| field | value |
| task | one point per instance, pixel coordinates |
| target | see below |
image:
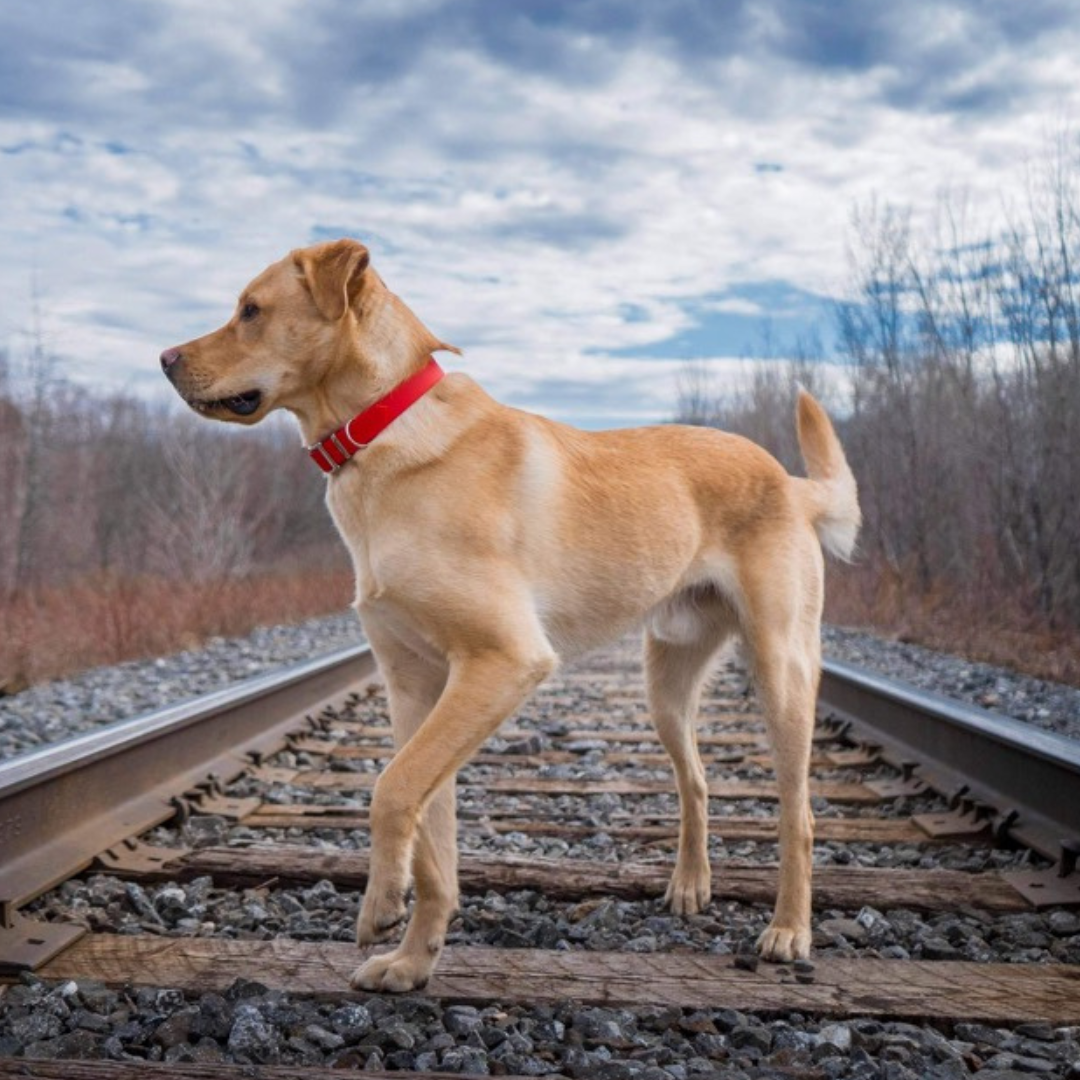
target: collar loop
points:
(341, 445)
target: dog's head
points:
(318, 316)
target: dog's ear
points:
(334, 274)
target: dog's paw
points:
(689, 892)
(784, 943)
(395, 972)
(379, 914)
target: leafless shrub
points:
(961, 420)
(127, 529)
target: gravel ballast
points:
(1051, 706)
(54, 711)
(251, 1024)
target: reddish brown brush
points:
(987, 624)
(104, 619)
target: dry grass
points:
(979, 622)
(51, 632)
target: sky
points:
(580, 194)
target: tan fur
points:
(489, 544)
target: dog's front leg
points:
(481, 691)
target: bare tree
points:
(962, 417)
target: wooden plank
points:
(833, 886)
(645, 733)
(938, 990)
(36, 1069)
(645, 758)
(644, 736)
(536, 785)
(870, 830)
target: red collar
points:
(333, 451)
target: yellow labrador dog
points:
(489, 544)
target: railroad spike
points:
(957, 796)
(182, 808)
(1003, 826)
(1070, 849)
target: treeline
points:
(122, 521)
(959, 405)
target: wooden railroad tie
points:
(651, 758)
(870, 830)
(834, 791)
(834, 886)
(645, 734)
(898, 989)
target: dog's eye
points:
(248, 312)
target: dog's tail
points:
(831, 495)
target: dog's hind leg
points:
(674, 673)
(784, 638)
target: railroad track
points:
(257, 798)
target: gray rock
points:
(351, 1022)
(465, 1060)
(838, 1035)
(251, 1037)
(534, 744)
(35, 1027)
(171, 902)
(1035, 1066)
(462, 1019)
(751, 1035)
(76, 1044)
(140, 902)
(214, 1018)
(937, 948)
(176, 1029)
(96, 998)
(327, 1040)
(1064, 923)
(393, 1032)
(850, 929)
(1040, 1031)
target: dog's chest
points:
(354, 518)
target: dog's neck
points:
(373, 353)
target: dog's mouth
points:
(240, 404)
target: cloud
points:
(555, 186)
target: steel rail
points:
(62, 806)
(1029, 776)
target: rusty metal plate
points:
(226, 807)
(307, 744)
(1045, 888)
(26, 944)
(951, 823)
(860, 755)
(896, 789)
(273, 774)
(133, 856)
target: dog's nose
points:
(168, 359)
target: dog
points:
(489, 544)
